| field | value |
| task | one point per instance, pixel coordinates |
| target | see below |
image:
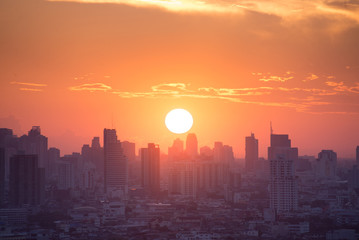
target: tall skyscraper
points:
(326, 165)
(116, 166)
(251, 157)
(53, 156)
(357, 155)
(283, 185)
(35, 143)
(150, 162)
(2, 176)
(26, 181)
(176, 151)
(191, 145)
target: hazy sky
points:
(76, 67)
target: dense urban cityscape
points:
(110, 192)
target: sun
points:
(179, 121)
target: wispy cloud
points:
(305, 100)
(30, 84)
(92, 87)
(286, 9)
(31, 89)
(311, 77)
(268, 77)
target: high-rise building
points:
(2, 176)
(183, 179)
(326, 165)
(191, 145)
(53, 156)
(251, 157)
(35, 143)
(26, 181)
(150, 162)
(283, 185)
(116, 166)
(357, 155)
(176, 151)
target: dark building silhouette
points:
(35, 143)
(150, 162)
(283, 185)
(116, 166)
(357, 155)
(176, 150)
(2, 176)
(326, 165)
(191, 145)
(251, 155)
(26, 181)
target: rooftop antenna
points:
(271, 129)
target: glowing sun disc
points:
(179, 121)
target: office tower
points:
(353, 180)
(53, 155)
(26, 181)
(65, 175)
(2, 176)
(251, 157)
(357, 155)
(116, 166)
(97, 158)
(35, 143)
(283, 185)
(150, 162)
(191, 145)
(183, 179)
(9, 143)
(326, 165)
(129, 149)
(176, 151)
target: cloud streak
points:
(282, 8)
(29, 84)
(91, 87)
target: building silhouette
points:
(150, 169)
(357, 155)
(116, 166)
(251, 154)
(283, 185)
(326, 165)
(2, 177)
(176, 150)
(35, 143)
(26, 181)
(191, 145)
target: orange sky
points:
(74, 67)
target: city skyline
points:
(234, 66)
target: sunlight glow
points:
(179, 121)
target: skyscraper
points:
(35, 143)
(2, 176)
(357, 155)
(176, 151)
(326, 165)
(191, 145)
(283, 185)
(26, 180)
(150, 171)
(251, 157)
(116, 166)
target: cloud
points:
(91, 87)
(30, 84)
(31, 89)
(289, 9)
(311, 77)
(39, 85)
(268, 77)
(341, 87)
